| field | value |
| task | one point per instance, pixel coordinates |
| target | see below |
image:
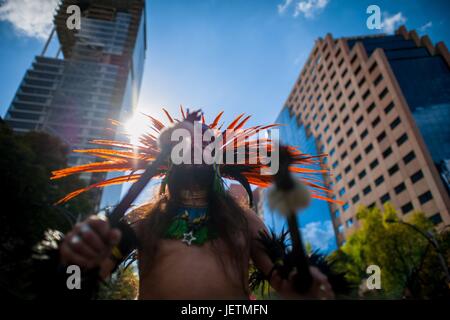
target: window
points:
(376, 122)
(355, 199)
(395, 123)
(385, 198)
(378, 80)
(351, 183)
(366, 94)
(336, 131)
(362, 174)
(346, 119)
(367, 190)
(407, 208)
(347, 84)
(339, 96)
(374, 164)
(342, 191)
(349, 132)
(364, 134)
(355, 108)
(371, 107)
(337, 214)
(332, 151)
(338, 178)
(331, 107)
(349, 223)
(342, 107)
(329, 139)
(361, 82)
(425, 197)
(417, 176)
(393, 169)
(345, 207)
(340, 228)
(340, 142)
(352, 94)
(368, 148)
(357, 70)
(387, 152)
(354, 59)
(353, 145)
(381, 136)
(409, 157)
(358, 159)
(436, 218)
(383, 93)
(402, 139)
(336, 84)
(389, 108)
(344, 72)
(400, 188)
(372, 67)
(334, 165)
(344, 155)
(359, 120)
(334, 118)
(379, 180)
(347, 169)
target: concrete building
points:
(98, 78)
(379, 106)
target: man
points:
(195, 240)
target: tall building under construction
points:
(379, 107)
(98, 77)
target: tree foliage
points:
(28, 197)
(123, 285)
(410, 265)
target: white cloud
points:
(29, 17)
(309, 8)
(391, 22)
(282, 7)
(319, 234)
(426, 26)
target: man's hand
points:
(89, 243)
(320, 288)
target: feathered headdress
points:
(132, 158)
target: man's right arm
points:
(89, 245)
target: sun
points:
(136, 126)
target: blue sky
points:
(236, 55)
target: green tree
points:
(410, 266)
(28, 196)
(123, 285)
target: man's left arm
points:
(320, 288)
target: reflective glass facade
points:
(315, 221)
(425, 82)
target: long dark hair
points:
(226, 217)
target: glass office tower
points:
(379, 107)
(98, 78)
